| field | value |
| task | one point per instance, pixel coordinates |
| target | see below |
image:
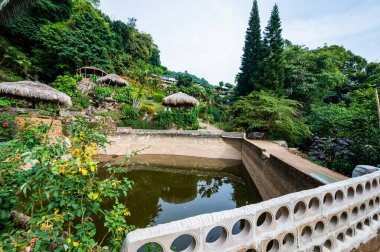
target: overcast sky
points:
(206, 37)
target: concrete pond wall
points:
(303, 210)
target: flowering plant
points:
(57, 185)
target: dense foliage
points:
(58, 187)
(264, 111)
(331, 88)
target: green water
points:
(164, 195)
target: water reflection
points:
(161, 196)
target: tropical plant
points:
(58, 187)
(264, 111)
(102, 93)
(66, 84)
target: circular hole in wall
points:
(354, 212)
(368, 186)
(306, 232)
(359, 226)
(151, 247)
(217, 236)
(299, 209)
(314, 204)
(316, 249)
(288, 240)
(371, 204)
(241, 228)
(273, 246)
(339, 196)
(282, 214)
(377, 201)
(359, 189)
(350, 232)
(350, 193)
(340, 237)
(319, 227)
(183, 243)
(343, 217)
(334, 221)
(327, 244)
(362, 208)
(374, 183)
(328, 199)
(264, 220)
(367, 222)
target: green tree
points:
(155, 58)
(184, 81)
(251, 65)
(264, 111)
(12, 9)
(274, 65)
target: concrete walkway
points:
(318, 172)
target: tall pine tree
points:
(247, 79)
(274, 65)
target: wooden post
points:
(378, 104)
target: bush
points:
(150, 110)
(81, 102)
(129, 113)
(66, 84)
(61, 193)
(7, 125)
(334, 153)
(157, 97)
(122, 94)
(102, 92)
(184, 120)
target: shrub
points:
(61, 194)
(157, 97)
(78, 77)
(81, 102)
(102, 92)
(335, 153)
(129, 113)
(122, 94)
(7, 125)
(184, 120)
(150, 110)
(66, 84)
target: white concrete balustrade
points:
(334, 217)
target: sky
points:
(206, 37)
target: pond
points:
(161, 195)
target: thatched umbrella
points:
(113, 79)
(180, 100)
(35, 92)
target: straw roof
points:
(34, 91)
(113, 79)
(180, 100)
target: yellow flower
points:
(93, 196)
(114, 183)
(75, 244)
(92, 168)
(84, 171)
(56, 211)
(43, 225)
(127, 213)
(68, 240)
(119, 229)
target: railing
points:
(335, 217)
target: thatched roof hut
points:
(35, 92)
(86, 71)
(113, 79)
(180, 100)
